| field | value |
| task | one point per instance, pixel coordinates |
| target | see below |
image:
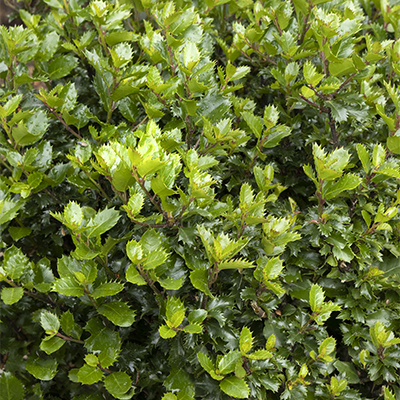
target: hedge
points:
(199, 200)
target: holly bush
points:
(199, 200)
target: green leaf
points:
(61, 66)
(88, 375)
(260, 355)
(52, 344)
(253, 122)
(73, 214)
(316, 297)
(154, 259)
(235, 264)
(207, 364)
(166, 332)
(118, 383)
(135, 204)
(199, 280)
(44, 369)
(107, 289)
(235, 387)
(388, 394)
(393, 144)
(348, 370)
(9, 209)
(15, 263)
(227, 363)
(10, 387)
(121, 54)
(347, 182)
(68, 287)
(102, 222)
(133, 276)
(32, 130)
(276, 135)
(190, 55)
(272, 268)
(246, 340)
(67, 322)
(50, 322)
(11, 295)
(327, 346)
(118, 313)
(364, 157)
(378, 155)
(193, 328)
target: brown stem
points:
(67, 127)
(335, 133)
(69, 339)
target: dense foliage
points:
(199, 199)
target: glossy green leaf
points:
(316, 297)
(227, 363)
(11, 387)
(50, 322)
(44, 369)
(246, 340)
(235, 387)
(118, 383)
(15, 263)
(107, 289)
(118, 313)
(88, 375)
(68, 287)
(11, 295)
(199, 279)
(50, 345)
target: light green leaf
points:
(260, 355)
(15, 263)
(378, 155)
(193, 328)
(276, 135)
(52, 344)
(102, 222)
(44, 369)
(133, 276)
(11, 295)
(134, 251)
(118, 313)
(272, 268)
(166, 332)
(88, 375)
(347, 182)
(388, 394)
(227, 363)
(10, 387)
(235, 387)
(253, 122)
(393, 144)
(190, 55)
(68, 287)
(327, 346)
(316, 297)
(199, 280)
(73, 214)
(235, 264)
(171, 396)
(246, 340)
(364, 157)
(107, 289)
(50, 322)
